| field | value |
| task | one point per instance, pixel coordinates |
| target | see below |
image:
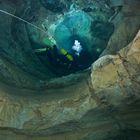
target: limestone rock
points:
(106, 102)
(101, 103)
(14, 43)
(127, 23)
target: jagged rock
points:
(15, 45)
(127, 23)
(97, 104)
(107, 101)
(54, 5)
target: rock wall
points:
(101, 103)
(127, 23)
(104, 105)
(15, 46)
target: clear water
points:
(90, 27)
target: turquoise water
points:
(62, 25)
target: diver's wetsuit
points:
(55, 58)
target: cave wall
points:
(15, 46)
(102, 106)
(127, 23)
(101, 103)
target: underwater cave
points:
(91, 32)
(69, 69)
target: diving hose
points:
(38, 28)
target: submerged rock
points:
(73, 24)
(101, 103)
(53, 5)
(108, 104)
(127, 23)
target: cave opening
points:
(54, 44)
(47, 89)
(64, 62)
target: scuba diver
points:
(59, 56)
